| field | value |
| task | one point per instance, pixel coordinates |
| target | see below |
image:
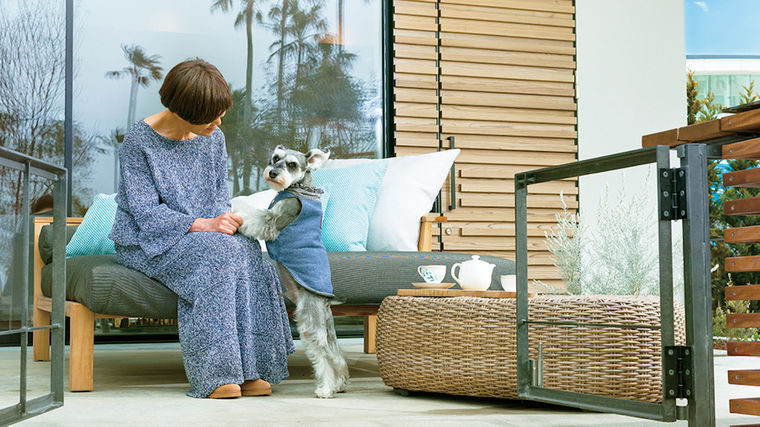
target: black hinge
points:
(672, 188)
(678, 371)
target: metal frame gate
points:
(26, 408)
(687, 371)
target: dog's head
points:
(288, 167)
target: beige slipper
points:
(226, 391)
(257, 387)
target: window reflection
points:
(303, 73)
(293, 81)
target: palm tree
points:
(113, 141)
(141, 69)
(304, 30)
(278, 16)
(245, 15)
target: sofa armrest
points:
(39, 222)
(425, 241)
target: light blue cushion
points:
(91, 237)
(352, 194)
(325, 198)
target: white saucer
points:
(425, 285)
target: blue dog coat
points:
(299, 247)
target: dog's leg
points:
(259, 224)
(335, 354)
(312, 314)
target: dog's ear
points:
(315, 158)
(279, 147)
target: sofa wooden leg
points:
(81, 348)
(370, 326)
(41, 338)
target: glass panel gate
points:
(25, 407)
(687, 371)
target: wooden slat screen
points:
(507, 74)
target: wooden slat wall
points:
(507, 95)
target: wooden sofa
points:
(82, 319)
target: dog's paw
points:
(324, 392)
(342, 386)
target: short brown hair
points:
(196, 91)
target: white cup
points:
(432, 273)
(509, 282)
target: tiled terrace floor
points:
(144, 384)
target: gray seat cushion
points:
(359, 278)
(105, 286)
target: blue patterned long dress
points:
(233, 325)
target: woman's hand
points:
(226, 223)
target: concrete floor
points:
(144, 384)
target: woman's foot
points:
(226, 391)
(257, 387)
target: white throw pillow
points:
(407, 193)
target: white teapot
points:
(474, 274)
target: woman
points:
(174, 224)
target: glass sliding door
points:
(303, 74)
(32, 57)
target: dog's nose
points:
(272, 174)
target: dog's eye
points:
(292, 165)
(275, 159)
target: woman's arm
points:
(225, 221)
(160, 227)
(222, 196)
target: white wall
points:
(631, 79)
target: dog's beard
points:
(274, 185)
(282, 181)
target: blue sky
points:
(722, 27)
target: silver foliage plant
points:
(619, 256)
(566, 243)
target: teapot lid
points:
(476, 260)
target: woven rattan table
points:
(467, 345)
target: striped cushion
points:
(91, 237)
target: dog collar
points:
(311, 193)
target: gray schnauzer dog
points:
(291, 228)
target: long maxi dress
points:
(232, 321)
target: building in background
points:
(726, 76)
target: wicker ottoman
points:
(467, 345)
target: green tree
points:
(310, 98)
(245, 16)
(719, 222)
(693, 105)
(706, 109)
(749, 94)
(710, 109)
(278, 23)
(240, 147)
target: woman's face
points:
(207, 129)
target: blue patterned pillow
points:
(91, 237)
(352, 194)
